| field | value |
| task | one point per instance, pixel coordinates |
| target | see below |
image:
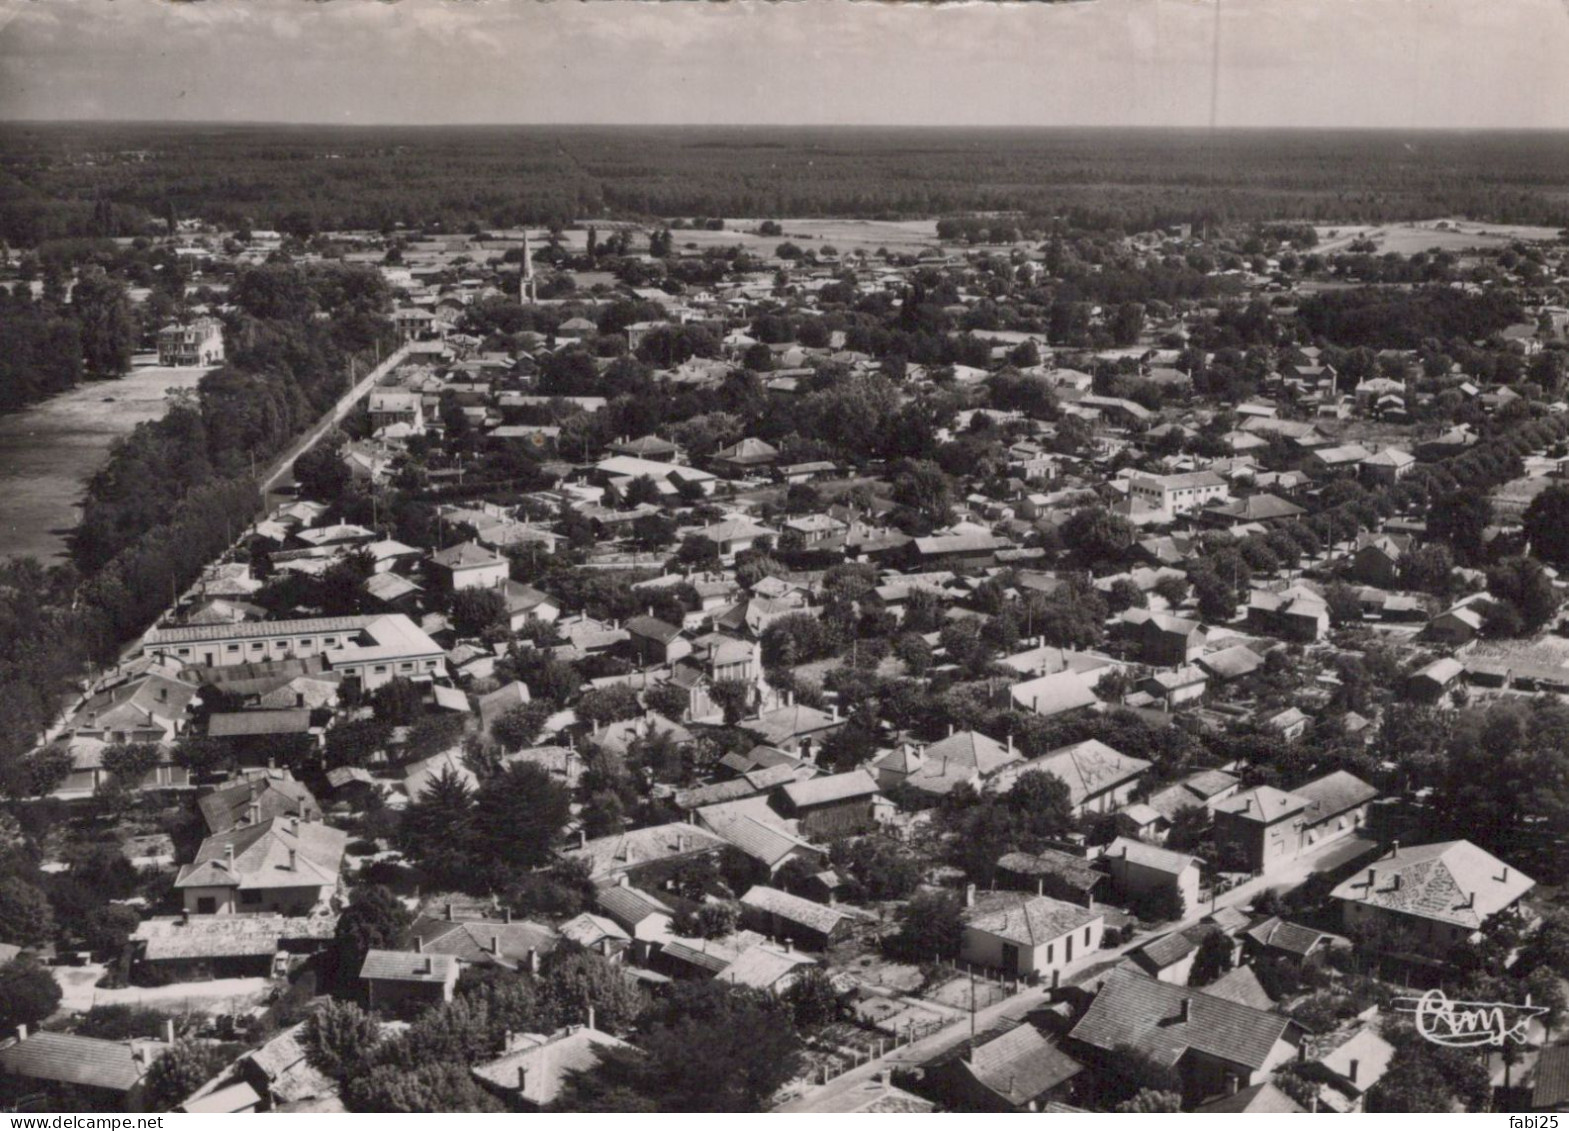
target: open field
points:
(48, 452)
(846, 235)
(1427, 235)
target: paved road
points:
(1086, 970)
(280, 466)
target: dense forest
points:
(63, 180)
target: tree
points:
(340, 1040)
(108, 328)
(475, 610)
(356, 742)
(1547, 525)
(813, 1000)
(1043, 802)
(28, 993)
(107, 929)
(925, 488)
(26, 918)
(1096, 536)
(1149, 1100)
(1460, 517)
(709, 921)
(796, 638)
(930, 928)
(1345, 607)
(373, 920)
(1425, 1077)
(427, 1088)
(605, 705)
(1212, 960)
(123, 1022)
(517, 816)
(519, 726)
(653, 531)
(179, 1072)
(1524, 584)
(573, 980)
(398, 702)
(733, 696)
(437, 829)
(47, 770)
(709, 1047)
(322, 473)
(130, 763)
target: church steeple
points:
(527, 292)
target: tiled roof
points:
(1072, 870)
(407, 966)
(1452, 882)
(629, 906)
(1134, 1010)
(754, 828)
(831, 788)
(545, 1067)
(1263, 805)
(610, 854)
(1014, 1061)
(279, 796)
(262, 856)
(1335, 793)
(1552, 1078)
(1242, 986)
(1028, 920)
(485, 941)
(1293, 938)
(1150, 856)
(1263, 1098)
(761, 967)
(87, 1061)
(1088, 768)
(817, 917)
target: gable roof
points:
(608, 855)
(1335, 793)
(819, 917)
(275, 795)
(484, 941)
(408, 966)
(87, 1061)
(1150, 856)
(1135, 1010)
(1242, 986)
(1014, 1061)
(830, 788)
(1263, 1098)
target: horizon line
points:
(204, 123)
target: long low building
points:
(372, 649)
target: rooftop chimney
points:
(449, 912)
(1351, 1070)
(228, 857)
(522, 1078)
(427, 965)
(253, 813)
(533, 961)
(1184, 1010)
(969, 895)
(21, 1033)
(495, 944)
(1394, 847)
(293, 860)
(506, 914)
(168, 1031)
(1372, 878)
(419, 945)
(590, 1022)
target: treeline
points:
(1383, 318)
(75, 180)
(47, 346)
(177, 491)
(286, 367)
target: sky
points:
(1403, 64)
